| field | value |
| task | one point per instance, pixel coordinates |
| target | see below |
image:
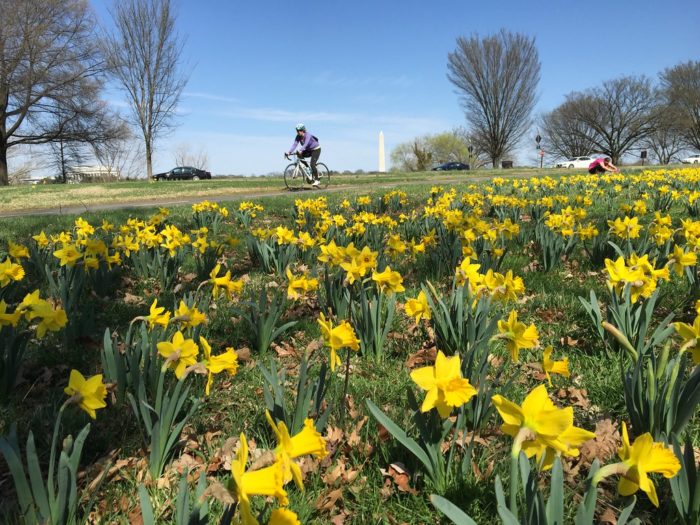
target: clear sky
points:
(348, 69)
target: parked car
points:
(576, 162)
(451, 166)
(183, 173)
(693, 159)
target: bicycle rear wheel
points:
(324, 176)
(293, 177)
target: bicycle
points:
(299, 173)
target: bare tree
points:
(50, 70)
(185, 156)
(144, 55)
(619, 114)
(666, 141)
(564, 135)
(681, 90)
(497, 78)
(122, 155)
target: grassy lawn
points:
(421, 225)
(55, 196)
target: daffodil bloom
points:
(517, 335)
(446, 388)
(538, 425)
(418, 308)
(9, 319)
(284, 235)
(467, 272)
(41, 240)
(307, 442)
(627, 228)
(10, 271)
(222, 283)
(283, 517)
(388, 280)
(215, 364)
(189, 317)
(638, 460)
(337, 337)
(503, 287)
(17, 251)
(51, 319)
(554, 367)
(298, 286)
(89, 393)
(680, 260)
(179, 353)
(157, 316)
(355, 269)
(691, 336)
(268, 481)
(68, 255)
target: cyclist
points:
(307, 146)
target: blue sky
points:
(350, 69)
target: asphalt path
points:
(184, 200)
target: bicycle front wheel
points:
(293, 177)
(324, 176)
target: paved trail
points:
(184, 200)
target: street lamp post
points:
(538, 139)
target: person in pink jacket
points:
(601, 166)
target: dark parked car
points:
(184, 173)
(450, 166)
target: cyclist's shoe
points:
(316, 183)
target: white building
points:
(91, 174)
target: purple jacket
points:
(308, 143)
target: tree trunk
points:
(149, 161)
(4, 178)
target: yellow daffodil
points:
(17, 251)
(518, 336)
(268, 481)
(691, 336)
(89, 393)
(639, 459)
(554, 367)
(307, 442)
(68, 255)
(10, 271)
(681, 259)
(41, 240)
(157, 316)
(189, 317)
(538, 425)
(9, 319)
(179, 353)
(388, 281)
(503, 287)
(51, 319)
(467, 272)
(337, 337)
(446, 388)
(418, 308)
(627, 228)
(283, 517)
(215, 364)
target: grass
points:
(236, 404)
(35, 198)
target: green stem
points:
(54, 441)
(514, 482)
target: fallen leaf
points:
(328, 501)
(133, 299)
(399, 474)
